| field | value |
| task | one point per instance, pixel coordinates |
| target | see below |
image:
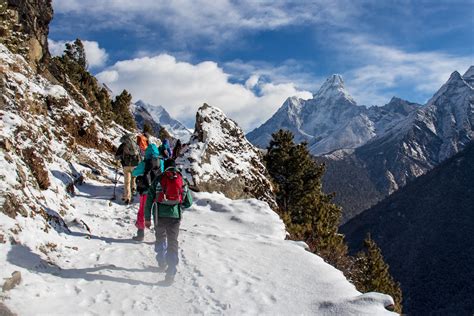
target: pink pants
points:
(140, 223)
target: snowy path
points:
(233, 260)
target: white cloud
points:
(389, 69)
(182, 87)
(216, 21)
(96, 56)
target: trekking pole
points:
(115, 182)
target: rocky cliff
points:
(219, 158)
(24, 29)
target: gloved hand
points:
(147, 224)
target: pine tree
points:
(121, 110)
(71, 70)
(373, 273)
(308, 213)
(76, 52)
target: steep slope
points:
(331, 120)
(409, 148)
(219, 158)
(425, 232)
(160, 117)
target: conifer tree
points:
(76, 52)
(308, 213)
(71, 70)
(121, 110)
(373, 273)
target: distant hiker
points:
(167, 196)
(165, 149)
(177, 150)
(154, 164)
(142, 141)
(129, 155)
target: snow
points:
(233, 256)
(233, 260)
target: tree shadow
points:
(23, 257)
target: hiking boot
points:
(162, 267)
(169, 278)
(140, 235)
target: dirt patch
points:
(13, 206)
(37, 167)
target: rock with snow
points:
(157, 116)
(219, 158)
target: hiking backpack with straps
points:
(130, 147)
(173, 188)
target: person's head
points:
(170, 163)
(125, 137)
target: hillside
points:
(425, 232)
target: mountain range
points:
(332, 120)
(372, 152)
(157, 117)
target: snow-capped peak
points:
(163, 118)
(469, 74)
(333, 89)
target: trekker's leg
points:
(140, 223)
(127, 175)
(172, 258)
(160, 243)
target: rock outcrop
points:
(24, 28)
(220, 158)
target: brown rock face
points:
(24, 28)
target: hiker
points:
(145, 173)
(166, 198)
(177, 149)
(142, 141)
(129, 155)
(165, 149)
(143, 185)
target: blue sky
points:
(246, 57)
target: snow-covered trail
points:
(233, 260)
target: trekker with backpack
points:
(166, 198)
(145, 173)
(129, 155)
(142, 141)
(165, 150)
